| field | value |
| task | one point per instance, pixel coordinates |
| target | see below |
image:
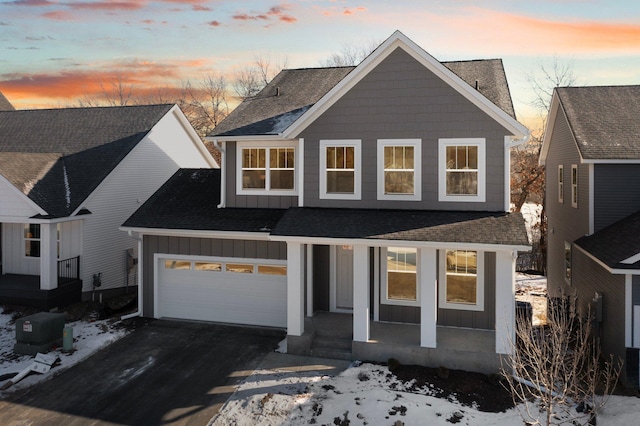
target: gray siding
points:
(252, 201)
(406, 314)
(616, 192)
(153, 244)
(565, 223)
(401, 99)
(589, 278)
(471, 319)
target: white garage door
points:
(230, 290)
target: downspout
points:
(223, 173)
(137, 313)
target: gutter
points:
(137, 313)
(223, 174)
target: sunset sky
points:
(54, 51)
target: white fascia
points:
(197, 233)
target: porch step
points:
(331, 342)
(331, 353)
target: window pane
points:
(462, 183)
(389, 158)
(253, 179)
(253, 158)
(349, 153)
(340, 182)
(408, 157)
(401, 286)
(451, 157)
(462, 261)
(461, 289)
(473, 157)
(208, 266)
(32, 230)
(32, 248)
(239, 268)
(272, 269)
(177, 264)
(331, 157)
(281, 179)
(398, 182)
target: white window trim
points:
(417, 169)
(357, 173)
(383, 282)
(574, 186)
(442, 169)
(267, 145)
(442, 285)
(561, 183)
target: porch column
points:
(309, 280)
(360, 293)
(295, 289)
(505, 301)
(428, 296)
(48, 256)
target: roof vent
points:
(477, 85)
(277, 91)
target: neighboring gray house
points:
(591, 152)
(376, 195)
(68, 179)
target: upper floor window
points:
(400, 283)
(399, 171)
(560, 183)
(461, 170)
(266, 169)
(462, 283)
(340, 175)
(574, 185)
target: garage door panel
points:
(220, 296)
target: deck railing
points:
(68, 270)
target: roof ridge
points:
(91, 107)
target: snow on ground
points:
(533, 289)
(88, 336)
(367, 394)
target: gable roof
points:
(615, 244)
(188, 201)
(57, 157)
(295, 98)
(604, 121)
(5, 105)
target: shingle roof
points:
(408, 225)
(5, 105)
(292, 92)
(57, 157)
(615, 243)
(189, 199)
(604, 120)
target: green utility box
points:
(38, 333)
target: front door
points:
(344, 278)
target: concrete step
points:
(331, 353)
(331, 342)
(336, 333)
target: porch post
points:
(428, 296)
(295, 290)
(360, 293)
(505, 301)
(309, 280)
(48, 256)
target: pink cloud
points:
(278, 12)
(59, 15)
(215, 23)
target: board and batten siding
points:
(616, 193)
(401, 99)
(164, 150)
(565, 223)
(250, 201)
(153, 244)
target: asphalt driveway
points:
(165, 372)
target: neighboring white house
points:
(68, 179)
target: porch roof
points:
(496, 228)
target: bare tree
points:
(248, 81)
(205, 102)
(350, 55)
(547, 78)
(556, 374)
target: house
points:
(5, 105)
(364, 209)
(591, 153)
(68, 179)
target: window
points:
(340, 169)
(461, 168)
(399, 171)
(272, 269)
(242, 268)
(567, 261)
(574, 185)
(560, 183)
(401, 286)
(462, 286)
(266, 169)
(208, 266)
(177, 264)
(32, 240)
